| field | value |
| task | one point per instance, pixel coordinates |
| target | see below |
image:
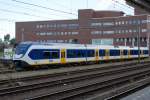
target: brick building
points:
(91, 27)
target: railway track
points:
(80, 92)
(76, 84)
(5, 68)
(134, 89)
(54, 77)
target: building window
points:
(65, 33)
(122, 22)
(96, 32)
(121, 39)
(62, 33)
(134, 30)
(116, 23)
(108, 32)
(122, 31)
(117, 40)
(49, 33)
(75, 33)
(130, 22)
(130, 39)
(130, 30)
(73, 26)
(37, 26)
(119, 23)
(103, 41)
(40, 26)
(96, 24)
(144, 21)
(119, 31)
(108, 23)
(37, 33)
(144, 30)
(69, 33)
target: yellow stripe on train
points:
(63, 56)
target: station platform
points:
(143, 94)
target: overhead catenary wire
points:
(122, 4)
(23, 13)
(8, 4)
(40, 6)
(64, 6)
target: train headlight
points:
(18, 56)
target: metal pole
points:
(148, 41)
(133, 42)
(138, 45)
(125, 42)
(22, 35)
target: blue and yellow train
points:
(33, 54)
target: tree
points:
(6, 38)
(12, 41)
(1, 41)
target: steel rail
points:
(110, 77)
(28, 80)
(66, 93)
(69, 78)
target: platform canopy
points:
(144, 4)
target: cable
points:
(123, 4)
(122, 7)
(44, 7)
(23, 13)
(8, 4)
(64, 6)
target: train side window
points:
(90, 53)
(114, 52)
(54, 55)
(78, 53)
(83, 53)
(46, 55)
(71, 53)
(36, 54)
(51, 55)
(134, 52)
(125, 52)
(145, 51)
(101, 52)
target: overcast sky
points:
(13, 10)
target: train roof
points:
(80, 45)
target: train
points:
(35, 54)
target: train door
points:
(63, 56)
(121, 54)
(96, 55)
(141, 53)
(129, 52)
(107, 54)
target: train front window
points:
(22, 48)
